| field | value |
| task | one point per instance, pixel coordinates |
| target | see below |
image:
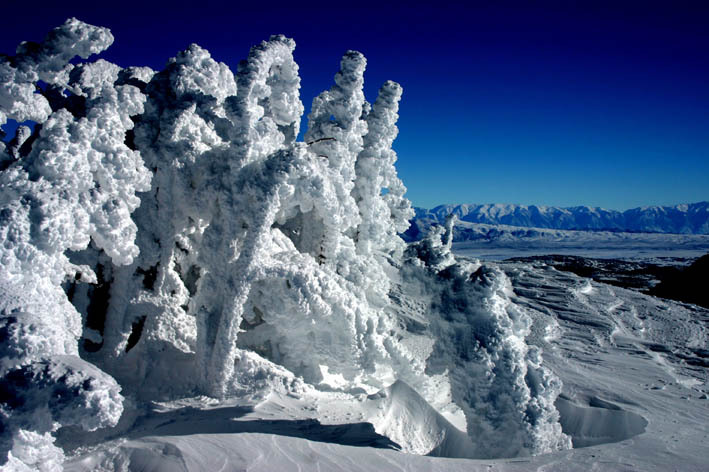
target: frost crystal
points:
(164, 234)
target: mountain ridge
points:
(684, 218)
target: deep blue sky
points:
(555, 103)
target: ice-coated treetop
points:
(49, 62)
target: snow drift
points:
(165, 235)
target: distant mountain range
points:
(690, 218)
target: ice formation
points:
(165, 235)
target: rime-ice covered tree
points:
(76, 183)
(495, 377)
(164, 234)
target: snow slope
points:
(692, 218)
(635, 398)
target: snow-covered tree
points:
(164, 234)
(77, 183)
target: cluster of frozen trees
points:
(164, 234)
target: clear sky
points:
(555, 103)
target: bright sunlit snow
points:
(186, 286)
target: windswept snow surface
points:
(635, 398)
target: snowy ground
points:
(498, 242)
(635, 398)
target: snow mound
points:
(598, 423)
(406, 418)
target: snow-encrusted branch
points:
(267, 110)
(49, 62)
(378, 191)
